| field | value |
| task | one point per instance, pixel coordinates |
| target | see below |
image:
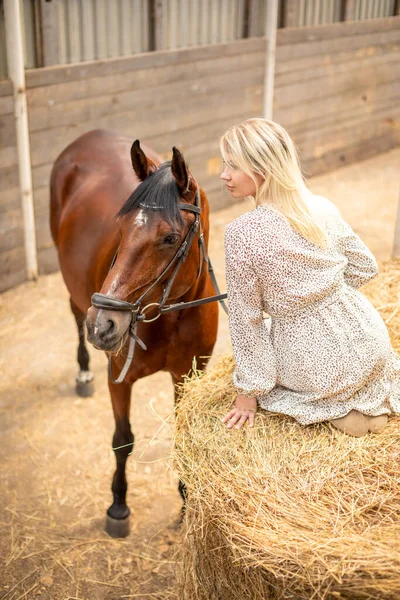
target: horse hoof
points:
(117, 528)
(84, 389)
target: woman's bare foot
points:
(377, 424)
(354, 423)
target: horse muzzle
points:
(107, 329)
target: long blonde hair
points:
(261, 147)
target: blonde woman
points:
(326, 353)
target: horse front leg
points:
(84, 380)
(117, 522)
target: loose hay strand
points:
(287, 511)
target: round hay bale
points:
(283, 510)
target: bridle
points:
(103, 301)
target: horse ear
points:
(181, 173)
(142, 165)
(179, 170)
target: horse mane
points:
(157, 193)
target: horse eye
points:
(171, 239)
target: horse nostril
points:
(111, 327)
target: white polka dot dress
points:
(325, 350)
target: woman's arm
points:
(361, 266)
(255, 372)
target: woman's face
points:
(238, 183)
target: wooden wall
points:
(12, 253)
(337, 92)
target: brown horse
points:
(118, 231)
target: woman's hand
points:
(243, 409)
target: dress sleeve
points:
(361, 265)
(255, 371)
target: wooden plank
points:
(9, 177)
(353, 153)
(6, 88)
(196, 136)
(13, 238)
(350, 101)
(11, 217)
(47, 144)
(7, 130)
(390, 59)
(82, 71)
(42, 204)
(6, 105)
(338, 57)
(339, 83)
(10, 279)
(319, 33)
(43, 234)
(334, 45)
(190, 73)
(10, 261)
(8, 156)
(90, 109)
(10, 199)
(319, 145)
(48, 260)
(344, 118)
(41, 175)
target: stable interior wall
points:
(337, 91)
(12, 252)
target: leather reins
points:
(103, 301)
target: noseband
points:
(103, 301)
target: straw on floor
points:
(286, 511)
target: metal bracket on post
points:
(16, 72)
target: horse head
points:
(155, 224)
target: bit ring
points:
(143, 312)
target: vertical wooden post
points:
(16, 72)
(269, 77)
(396, 241)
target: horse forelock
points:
(157, 194)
